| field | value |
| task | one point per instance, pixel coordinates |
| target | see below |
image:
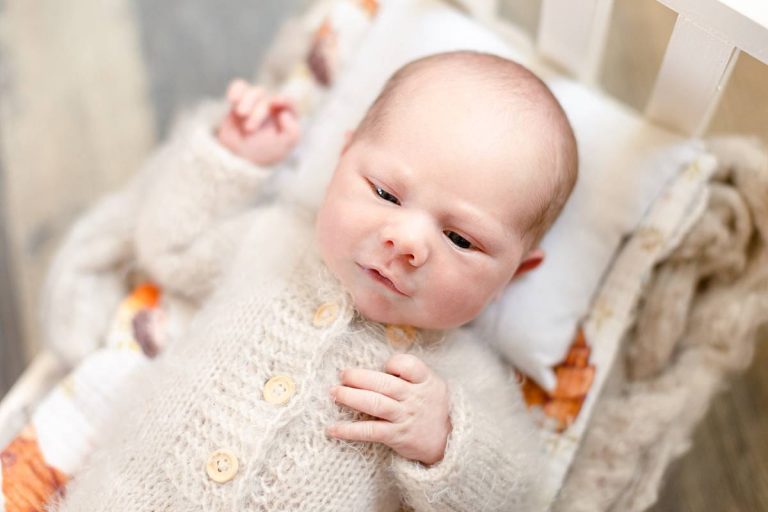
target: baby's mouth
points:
(381, 278)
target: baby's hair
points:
(526, 92)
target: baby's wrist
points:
(439, 453)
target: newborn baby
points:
(321, 364)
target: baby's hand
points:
(259, 127)
(410, 399)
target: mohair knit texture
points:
(247, 281)
(695, 325)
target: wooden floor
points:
(88, 87)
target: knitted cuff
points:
(485, 466)
(416, 476)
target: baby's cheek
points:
(334, 222)
(455, 303)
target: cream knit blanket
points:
(696, 323)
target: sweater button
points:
(222, 466)
(279, 389)
(325, 314)
(400, 336)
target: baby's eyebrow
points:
(401, 175)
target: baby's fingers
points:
(259, 112)
(371, 431)
(288, 124)
(235, 90)
(408, 367)
(248, 101)
(268, 106)
(380, 382)
(368, 402)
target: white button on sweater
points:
(252, 283)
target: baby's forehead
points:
(488, 137)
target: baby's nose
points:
(408, 240)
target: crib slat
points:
(696, 67)
(743, 22)
(573, 32)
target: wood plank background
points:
(12, 357)
(88, 87)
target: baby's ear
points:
(529, 262)
(347, 141)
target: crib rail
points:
(15, 408)
(742, 22)
(705, 44)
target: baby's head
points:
(444, 191)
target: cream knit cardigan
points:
(247, 282)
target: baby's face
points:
(423, 221)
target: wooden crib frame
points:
(706, 40)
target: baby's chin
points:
(378, 309)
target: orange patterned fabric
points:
(371, 6)
(574, 379)
(28, 482)
(324, 57)
(323, 54)
(145, 295)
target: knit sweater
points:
(232, 415)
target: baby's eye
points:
(385, 195)
(458, 240)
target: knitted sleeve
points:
(85, 279)
(197, 209)
(494, 458)
(177, 218)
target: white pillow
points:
(624, 164)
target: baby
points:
(321, 364)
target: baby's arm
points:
(207, 180)
(85, 280)
(87, 277)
